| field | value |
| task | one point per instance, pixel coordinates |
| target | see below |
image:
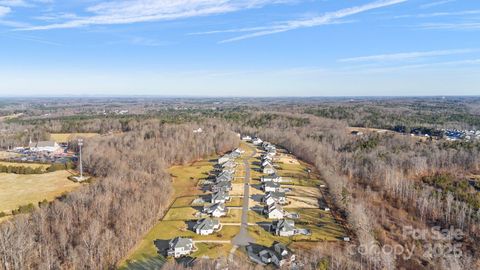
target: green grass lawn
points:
(187, 177)
(212, 250)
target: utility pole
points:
(80, 144)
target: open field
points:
(12, 116)
(65, 137)
(7, 155)
(308, 191)
(17, 189)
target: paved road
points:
(242, 238)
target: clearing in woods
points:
(22, 189)
(65, 137)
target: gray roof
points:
(215, 206)
(179, 242)
(285, 225)
(220, 195)
(275, 195)
(272, 184)
(206, 224)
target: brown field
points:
(17, 189)
(65, 137)
(302, 202)
(287, 159)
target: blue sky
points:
(240, 48)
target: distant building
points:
(45, 146)
(180, 246)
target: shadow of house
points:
(147, 263)
(257, 209)
(257, 197)
(267, 226)
(191, 224)
(257, 163)
(162, 246)
(257, 186)
(186, 261)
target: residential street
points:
(242, 238)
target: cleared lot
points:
(19, 189)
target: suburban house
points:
(271, 186)
(206, 226)
(266, 162)
(275, 197)
(246, 138)
(216, 210)
(45, 146)
(277, 254)
(229, 164)
(265, 157)
(239, 151)
(222, 186)
(180, 246)
(220, 197)
(269, 169)
(224, 159)
(284, 227)
(271, 178)
(257, 141)
(275, 211)
(224, 176)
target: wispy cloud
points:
(137, 11)
(439, 14)
(436, 3)
(451, 26)
(4, 11)
(437, 65)
(406, 56)
(327, 18)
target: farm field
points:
(17, 189)
(65, 137)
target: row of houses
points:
(220, 188)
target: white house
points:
(206, 226)
(257, 141)
(275, 211)
(269, 169)
(271, 186)
(266, 163)
(220, 197)
(284, 228)
(246, 138)
(180, 246)
(216, 210)
(271, 178)
(275, 197)
(224, 159)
